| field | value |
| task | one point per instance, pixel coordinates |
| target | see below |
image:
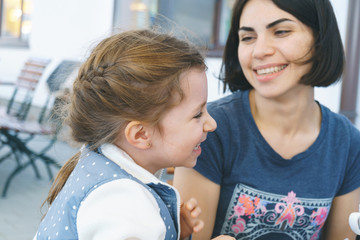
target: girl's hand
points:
(189, 218)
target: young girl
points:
(280, 165)
(138, 105)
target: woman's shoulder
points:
(339, 118)
(339, 123)
(231, 112)
(229, 105)
(231, 98)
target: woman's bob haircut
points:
(328, 54)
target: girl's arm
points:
(190, 184)
(337, 225)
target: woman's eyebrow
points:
(247, 29)
(270, 25)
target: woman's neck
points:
(290, 125)
(288, 114)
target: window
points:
(15, 22)
(207, 20)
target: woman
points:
(280, 165)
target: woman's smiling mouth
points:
(270, 70)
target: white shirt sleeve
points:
(119, 210)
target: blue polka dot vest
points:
(93, 170)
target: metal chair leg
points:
(18, 146)
(16, 171)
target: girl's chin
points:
(191, 163)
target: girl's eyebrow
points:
(270, 25)
(200, 106)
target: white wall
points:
(61, 29)
(215, 87)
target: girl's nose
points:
(210, 124)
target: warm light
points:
(17, 12)
(16, 18)
(28, 7)
(138, 6)
(26, 27)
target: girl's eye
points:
(198, 115)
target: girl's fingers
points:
(198, 226)
(196, 212)
(192, 203)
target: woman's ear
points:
(138, 135)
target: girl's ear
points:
(138, 135)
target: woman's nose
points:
(263, 47)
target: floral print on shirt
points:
(254, 214)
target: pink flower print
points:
(289, 211)
(239, 210)
(315, 236)
(245, 207)
(239, 226)
(248, 207)
(287, 215)
(260, 210)
(321, 215)
(291, 198)
(318, 218)
(260, 207)
(256, 201)
(248, 204)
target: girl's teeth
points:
(197, 146)
(270, 70)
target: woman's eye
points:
(246, 39)
(198, 115)
(282, 32)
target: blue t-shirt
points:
(264, 196)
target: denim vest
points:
(60, 220)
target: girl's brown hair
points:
(128, 76)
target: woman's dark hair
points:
(328, 54)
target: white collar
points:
(122, 159)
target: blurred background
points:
(60, 30)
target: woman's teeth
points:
(270, 70)
(197, 146)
